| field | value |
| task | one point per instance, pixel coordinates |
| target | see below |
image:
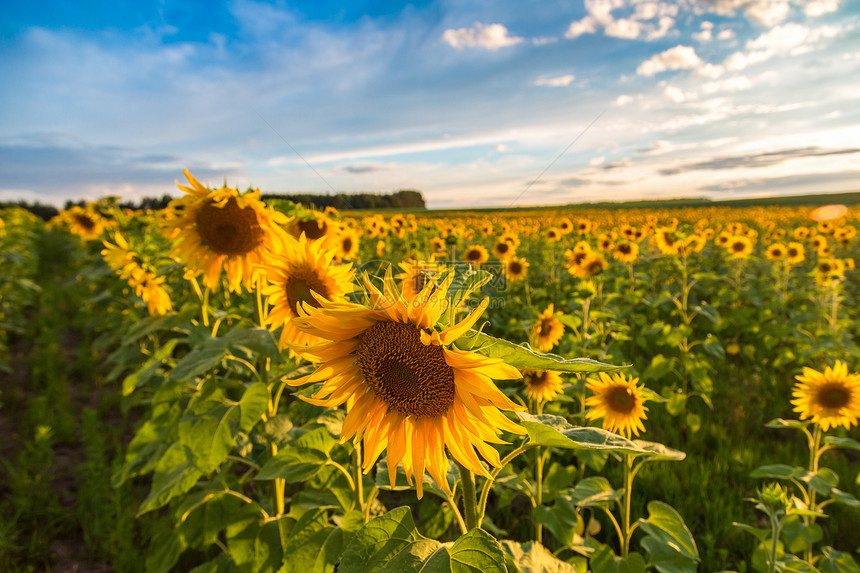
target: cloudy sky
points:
(474, 103)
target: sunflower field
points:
(234, 385)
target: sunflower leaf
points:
(383, 539)
(667, 528)
(524, 357)
(835, 442)
(595, 491)
(659, 452)
(555, 431)
(533, 557)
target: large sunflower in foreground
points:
(831, 398)
(619, 401)
(302, 268)
(404, 387)
(219, 229)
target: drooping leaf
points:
(379, 541)
(595, 491)
(555, 431)
(833, 561)
(150, 368)
(475, 552)
(659, 452)
(524, 357)
(293, 464)
(253, 405)
(837, 442)
(604, 560)
(209, 432)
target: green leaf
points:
(175, 473)
(293, 464)
(844, 497)
(305, 551)
(258, 341)
(379, 541)
(824, 480)
(694, 422)
(524, 357)
(798, 536)
(783, 423)
(835, 442)
(659, 452)
(475, 552)
(604, 560)
(202, 358)
(151, 368)
(667, 526)
(209, 432)
(761, 534)
(833, 561)
(533, 557)
(253, 405)
(778, 471)
(152, 324)
(164, 551)
(555, 431)
(595, 492)
(660, 366)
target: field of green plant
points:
(229, 385)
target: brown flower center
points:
(833, 395)
(411, 378)
(502, 248)
(621, 399)
(515, 268)
(738, 246)
(299, 286)
(229, 230)
(85, 221)
(546, 325)
(536, 378)
(624, 249)
(312, 228)
(346, 245)
(473, 255)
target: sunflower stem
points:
(358, 485)
(470, 501)
(485, 492)
(205, 306)
(628, 491)
(814, 456)
(538, 491)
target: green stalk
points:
(470, 501)
(628, 491)
(358, 490)
(538, 491)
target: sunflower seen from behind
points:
(619, 400)
(219, 230)
(830, 398)
(406, 389)
(541, 385)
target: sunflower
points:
(619, 401)
(795, 253)
(503, 249)
(801, 233)
(818, 242)
(149, 288)
(84, 222)
(628, 232)
(565, 225)
(542, 385)
(476, 254)
(119, 256)
(593, 264)
(220, 228)
(723, 239)
(605, 242)
(404, 387)
(740, 246)
(416, 275)
(438, 244)
(548, 329)
(626, 252)
(516, 269)
(583, 226)
(776, 251)
(347, 245)
(667, 241)
(831, 398)
(315, 227)
(302, 268)
(829, 269)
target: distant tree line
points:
(403, 199)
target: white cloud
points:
(623, 99)
(816, 8)
(579, 27)
(767, 13)
(742, 60)
(500, 147)
(677, 58)
(726, 34)
(646, 19)
(489, 37)
(705, 35)
(556, 82)
(733, 84)
(597, 161)
(675, 94)
(790, 36)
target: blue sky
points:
(473, 103)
